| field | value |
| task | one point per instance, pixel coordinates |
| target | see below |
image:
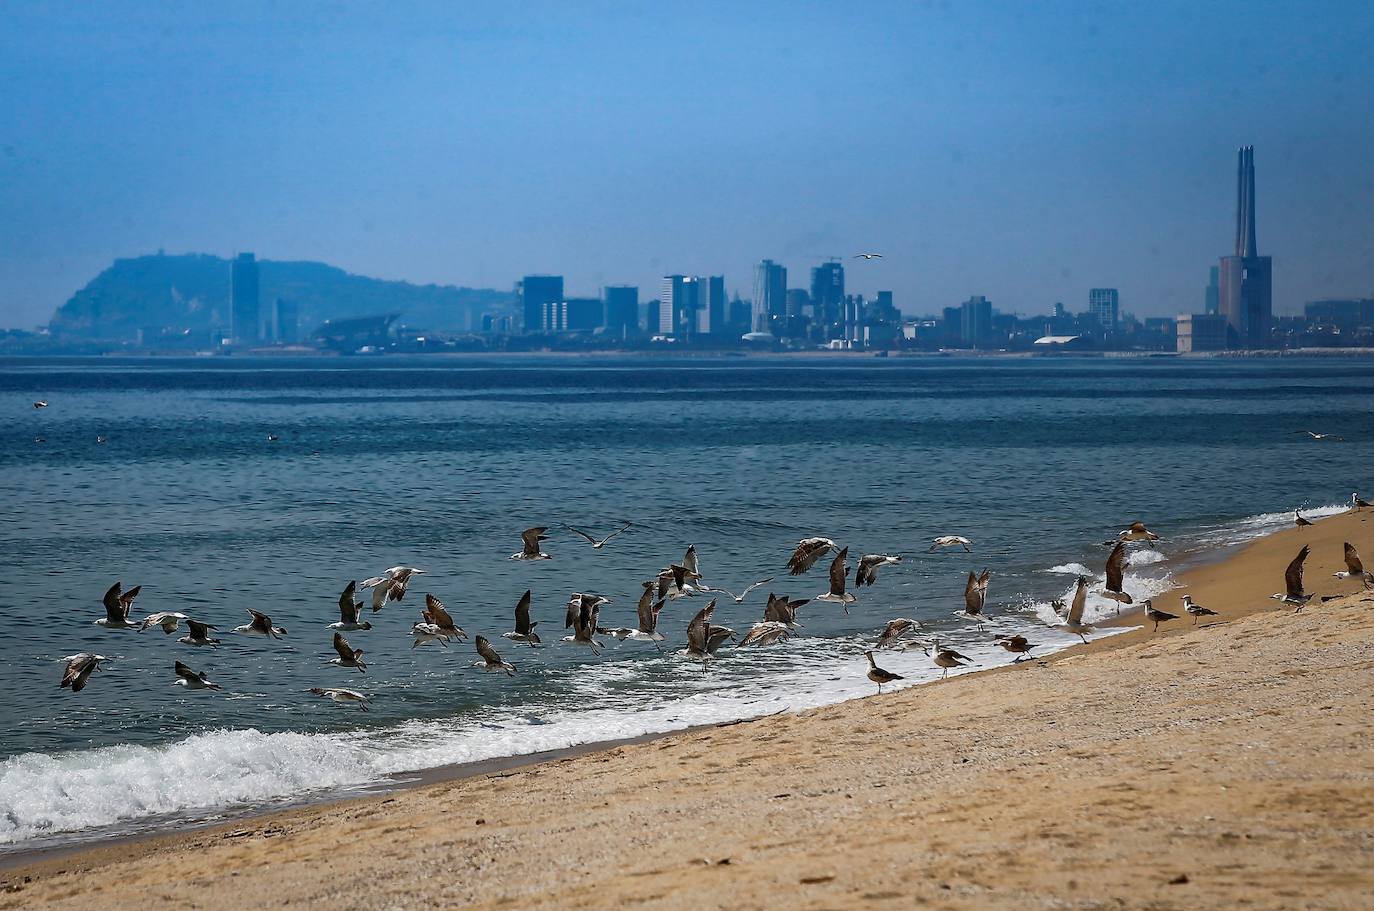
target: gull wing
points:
(973, 601)
(186, 673)
(689, 562)
(531, 538)
(114, 611)
(1116, 567)
(379, 593)
(522, 614)
(126, 599)
(348, 608)
(577, 531)
(808, 551)
(341, 646)
(260, 620)
(1352, 560)
(839, 569)
(487, 652)
(434, 612)
(199, 630)
(1080, 601)
(699, 630)
(1292, 576)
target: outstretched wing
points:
(1352, 560)
(1292, 577)
(531, 538)
(1116, 567)
(348, 608)
(839, 569)
(487, 652)
(434, 612)
(699, 630)
(522, 614)
(1080, 601)
(114, 611)
(186, 673)
(341, 646)
(577, 531)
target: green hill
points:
(191, 291)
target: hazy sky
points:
(1026, 151)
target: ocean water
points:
(439, 463)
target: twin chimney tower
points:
(1246, 293)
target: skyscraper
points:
(245, 319)
(537, 292)
(975, 320)
(1246, 289)
(770, 296)
(1211, 301)
(711, 305)
(1105, 307)
(827, 292)
(285, 322)
(678, 298)
(622, 309)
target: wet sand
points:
(1226, 765)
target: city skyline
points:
(407, 146)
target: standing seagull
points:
(950, 541)
(261, 625)
(530, 539)
(524, 629)
(1116, 571)
(1292, 582)
(1357, 503)
(1073, 622)
(839, 570)
(434, 613)
(192, 680)
(490, 660)
(79, 669)
(117, 608)
(199, 634)
(976, 596)
(867, 573)
(1197, 610)
(596, 545)
(948, 658)
(648, 610)
(348, 657)
(1019, 646)
(168, 620)
(339, 694)
(1354, 568)
(895, 630)
(878, 675)
(348, 611)
(808, 551)
(1299, 521)
(1158, 616)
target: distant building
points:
(622, 309)
(285, 322)
(537, 292)
(739, 315)
(975, 320)
(1105, 308)
(245, 318)
(770, 296)
(1347, 315)
(711, 312)
(1245, 292)
(583, 314)
(827, 292)
(1211, 300)
(677, 304)
(1202, 332)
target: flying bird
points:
(583, 611)
(117, 604)
(1321, 436)
(434, 613)
(1292, 582)
(702, 638)
(524, 629)
(348, 657)
(895, 630)
(167, 620)
(648, 610)
(594, 542)
(1354, 567)
(192, 680)
(950, 541)
(690, 564)
(739, 599)
(490, 660)
(839, 570)
(348, 611)
(530, 539)
(391, 585)
(765, 632)
(868, 256)
(878, 675)
(782, 610)
(976, 596)
(341, 695)
(1137, 532)
(1116, 571)
(1156, 615)
(673, 584)
(808, 551)
(79, 669)
(869, 564)
(199, 634)
(1196, 610)
(40, 404)
(1019, 646)
(261, 625)
(1073, 620)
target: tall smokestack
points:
(1251, 245)
(1240, 202)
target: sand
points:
(1221, 766)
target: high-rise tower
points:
(1246, 290)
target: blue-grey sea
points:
(439, 463)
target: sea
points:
(224, 484)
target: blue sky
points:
(1026, 151)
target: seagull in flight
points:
(703, 639)
(739, 599)
(975, 596)
(192, 680)
(1116, 571)
(839, 570)
(40, 404)
(1073, 619)
(782, 610)
(199, 634)
(524, 629)
(895, 630)
(582, 613)
(1137, 532)
(117, 604)
(1354, 567)
(1292, 581)
(348, 657)
(950, 541)
(869, 564)
(79, 669)
(597, 544)
(491, 661)
(348, 611)
(435, 614)
(868, 256)
(261, 625)
(808, 551)
(391, 585)
(672, 582)
(765, 632)
(168, 620)
(1321, 436)
(339, 694)
(648, 610)
(530, 539)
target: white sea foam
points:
(1071, 569)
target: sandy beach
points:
(1224, 765)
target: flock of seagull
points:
(677, 580)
